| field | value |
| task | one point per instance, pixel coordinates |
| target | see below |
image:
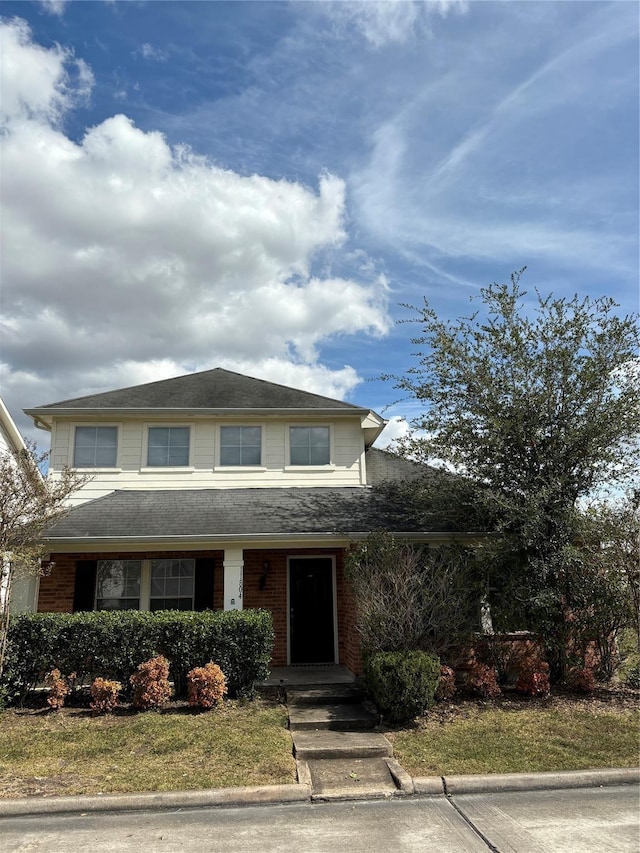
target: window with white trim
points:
(240, 445)
(95, 447)
(118, 584)
(163, 584)
(168, 447)
(309, 445)
(172, 584)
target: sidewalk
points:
(429, 786)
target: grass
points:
(69, 752)
(519, 739)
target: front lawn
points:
(521, 736)
(70, 752)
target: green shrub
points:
(631, 675)
(112, 644)
(402, 684)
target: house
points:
(218, 490)
(24, 590)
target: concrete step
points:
(323, 694)
(310, 745)
(341, 717)
(350, 778)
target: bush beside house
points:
(112, 644)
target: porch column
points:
(233, 564)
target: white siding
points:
(347, 445)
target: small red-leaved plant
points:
(150, 682)
(581, 679)
(206, 685)
(533, 679)
(104, 695)
(59, 688)
(446, 688)
(483, 681)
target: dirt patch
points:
(604, 699)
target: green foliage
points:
(537, 402)
(112, 644)
(402, 684)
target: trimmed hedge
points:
(111, 645)
(402, 684)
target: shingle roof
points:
(209, 389)
(232, 512)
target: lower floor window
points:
(172, 584)
(145, 584)
(118, 586)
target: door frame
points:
(334, 595)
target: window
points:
(240, 445)
(309, 445)
(118, 585)
(95, 447)
(168, 447)
(172, 584)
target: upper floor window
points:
(240, 445)
(309, 445)
(95, 447)
(168, 447)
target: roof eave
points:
(40, 414)
(84, 544)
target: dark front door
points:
(311, 630)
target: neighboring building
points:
(217, 490)
(24, 590)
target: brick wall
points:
(56, 587)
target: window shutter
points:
(85, 585)
(203, 584)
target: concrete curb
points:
(497, 783)
(165, 800)
(426, 786)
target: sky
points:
(266, 187)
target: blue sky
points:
(260, 186)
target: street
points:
(588, 820)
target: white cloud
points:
(54, 7)
(128, 260)
(156, 54)
(383, 22)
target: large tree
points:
(29, 503)
(535, 402)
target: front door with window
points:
(311, 610)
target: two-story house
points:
(217, 490)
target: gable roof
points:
(210, 389)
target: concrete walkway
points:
(338, 755)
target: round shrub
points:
(151, 688)
(402, 684)
(104, 695)
(206, 685)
